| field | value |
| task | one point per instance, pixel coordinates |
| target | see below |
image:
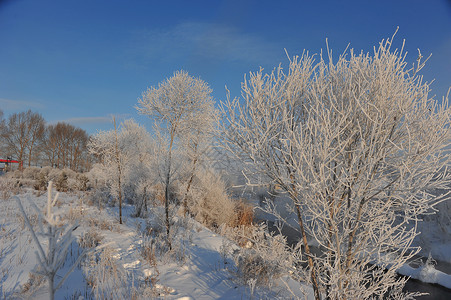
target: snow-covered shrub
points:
(33, 283)
(46, 170)
(70, 173)
(106, 276)
(38, 178)
(149, 195)
(208, 200)
(99, 196)
(19, 179)
(100, 223)
(8, 187)
(157, 191)
(31, 173)
(53, 174)
(41, 182)
(82, 182)
(75, 213)
(97, 176)
(244, 214)
(90, 239)
(61, 182)
(16, 174)
(148, 251)
(263, 256)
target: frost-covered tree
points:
(196, 146)
(180, 108)
(59, 238)
(140, 149)
(359, 146)
(125, 157)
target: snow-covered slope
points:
(197, 267)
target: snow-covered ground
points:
(125, 263)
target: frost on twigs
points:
(183, 111)
(58, 237)
(359, 149)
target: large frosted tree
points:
(359, 147)
(181, 108)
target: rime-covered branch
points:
(359, 146)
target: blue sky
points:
(83, 61)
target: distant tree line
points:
(26, 137)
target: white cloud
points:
(208, 41)
(93, 120)
(16, 105)
(87, 120)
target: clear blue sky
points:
(82, 61)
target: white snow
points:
(428, 274)
(202, 272)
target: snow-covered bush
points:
(8, 187)
(33, 283)
(41, 182)
(53, 174)
(31, 173)
(208, 200)
(46, 170)
(38, 178)
(106, 276)
(61, 182)
(19, 178)
(82, 182)
(244, 214)
(262, 257)
(90, 239)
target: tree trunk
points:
(309, 255)
(185, 200)
(118, 161)
(29, 156)
(294, 196)
(51, 290)
(166, 207)
(145, 199)
(166, 192)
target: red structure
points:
(9, 161)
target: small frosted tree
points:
(359, 146)
(180, 107)
(59, 238)
(125, 157)
(196, 146)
